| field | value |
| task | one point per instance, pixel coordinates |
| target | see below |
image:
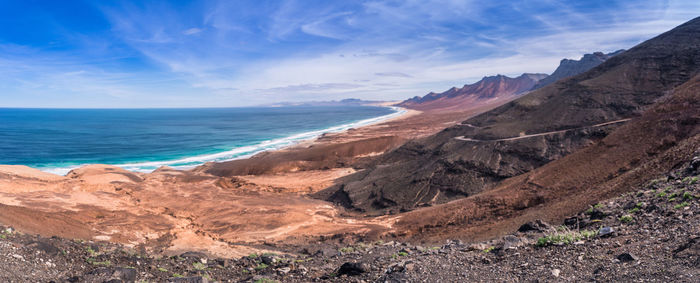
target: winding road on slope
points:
(462, 138)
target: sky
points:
(127, 54)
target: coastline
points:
(261, 199)
(244, 152)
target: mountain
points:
(568, 67)
(639, 154)
(492, 87)
(528, 132)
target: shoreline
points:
(248, 151)
(251, 201)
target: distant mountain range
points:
(491, 87)
(504, 87)
(488, 88)
(568, 67)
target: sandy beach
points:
(228, 209)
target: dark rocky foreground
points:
(652, 234)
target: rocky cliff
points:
(569, 68)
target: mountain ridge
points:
(439, 168)
(489, 87)
(569, 67)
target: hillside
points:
(650, 234)
(664, 137)
(497, 87)
(563, 117)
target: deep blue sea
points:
(58, 140)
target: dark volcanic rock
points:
(352, 268)
(556, 120)
(193, 279)
(111, 274)
(626, 257)
(693, 167)
(45, 246)
(597, 214)
(194, 255)
(568, 68)
(537, 226)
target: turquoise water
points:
(58, 140)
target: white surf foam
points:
(238, 152)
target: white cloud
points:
(237, 54)
(191, 31)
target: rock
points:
(113, 274)
(195, 255)
(266, 259)
(284, 270)
(597, 214)
(395, 267)
(689, 249)
(651, 207)
(352, 268)
(326, 252)
(630, 205)
(302, 269)
(409, 267)
(269, 258)
(511, 242)
(223, 262)
(193, 279)
(556, 272)
(44, 246)
(694, 166)
(605, 231)
(626, 257)
(476, 247)
(537, 226)
(571, 221)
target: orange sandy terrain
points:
(168, 209)
(227, 209)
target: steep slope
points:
(569, 68)
(568, 115)
(662, 139)
(493, 87)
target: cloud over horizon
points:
(242, 53)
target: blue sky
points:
(241, 53)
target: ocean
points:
(58, 140)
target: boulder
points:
(626, 257)
(352, 268)
(537, 226)
(193, 279)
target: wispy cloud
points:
(393, 74)
(191, 31)
(216, 53)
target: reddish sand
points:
(251, 202)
